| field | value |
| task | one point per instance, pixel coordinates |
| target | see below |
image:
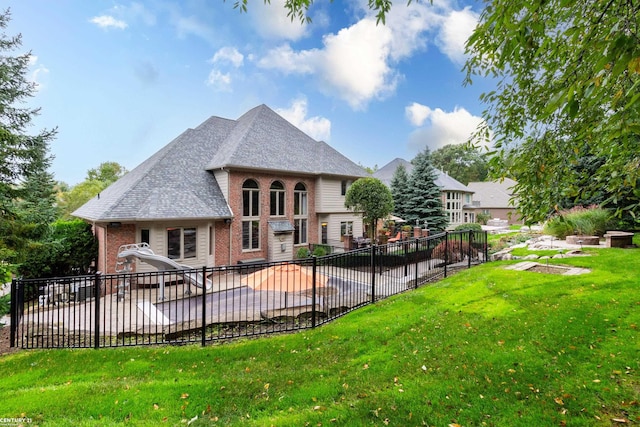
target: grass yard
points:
(485, 347)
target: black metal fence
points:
(217, 303)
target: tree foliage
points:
(70, 248)
(568, 87)
(24, 182)
(400, 191)
(424, 205)
(371, 197)
(97, 180)
(462, 162)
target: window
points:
(300, 233)
(300, 199)
(344, 186)
(250, 198)
(181, 243)
(250, 235)
(300, 214)
(324, 233)
(277, 199)
(346, 229)
(251, 215)
(144, 236)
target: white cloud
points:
(219, 81)
(456, 29)
(228, 55)
(358, 63)
(283, 58)
(316, 127)
(106, 21)
(193, 26)
(442, 128)
(270, 20)
(417, 113)
(39, 74)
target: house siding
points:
(222, 177)
(329, 195)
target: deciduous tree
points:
(371, 197)
(568, 86)
(462, 162)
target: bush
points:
(303, 253)
(69, 249)
(482, 218)
(5, 303)
(470, 226)
(456, 251)
(319, 251)
(593, 221)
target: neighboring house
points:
(493, 198)
(228, 190)
(456, 197)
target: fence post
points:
(417, 260)
(314, 271)
(486, 247)
(470, 244)
(374, 248)
(97, 293)
(446, 252)
(204, 305)
(13, 307)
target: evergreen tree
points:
(23, 157)
(400, 191)
(425, 203)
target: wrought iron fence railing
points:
(217, 303)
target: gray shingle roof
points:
(264, 140)
(177, 182)
(493, 194)
(283, 226)
(444, 181)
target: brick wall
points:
(114, 237)
(236, 179)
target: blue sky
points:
(121, 79)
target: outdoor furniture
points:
(361, 242)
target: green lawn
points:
(485, 347)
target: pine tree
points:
(23, 157)
(400, 191)
(425, 203)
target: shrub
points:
(482, 218)
(4, 304)
(593, 221)
(303, 253)
(456, 251)
(319, 251)
(470, 226)
(559, 227)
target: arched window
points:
(250, 215)
(300, 214)
(277, 200)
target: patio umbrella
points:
(284, 278)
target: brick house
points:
(229, 190)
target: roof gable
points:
(177, 182)
(444, 181)
(262, 139)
